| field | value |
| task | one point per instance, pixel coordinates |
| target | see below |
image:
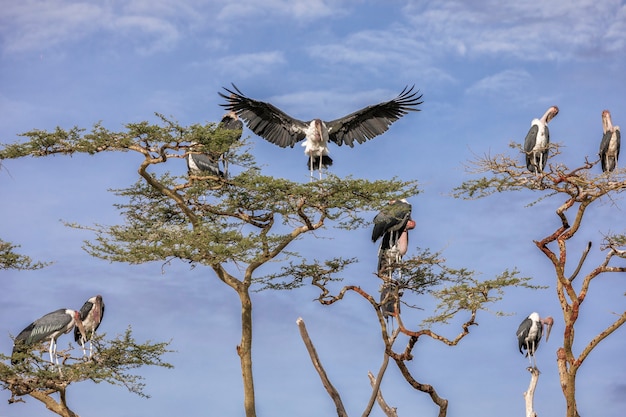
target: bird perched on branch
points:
(529, 334)
(230, 121)
(276, 126)
(201, 164)
(536, 144)
(609, 146)
(390, 294)
(48, 327)
(91, 314)
(392, 223)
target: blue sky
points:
(486, 69)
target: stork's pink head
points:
(410, 225)
(554, 110)
(548, 321)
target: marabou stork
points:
(390, 294)
(536, 144)
(529, 334)
(392, 224)
(609, 146)
(274, 125)
(202, 164)
(231, 122)
(91, 314)
(50, 326)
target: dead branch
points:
(341, 412)
(389, 411)
(530, 394)
(376, 394)
(581, 262)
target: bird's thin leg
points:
(311, 167)
(82, 344)
(50, 351)
(320, 167)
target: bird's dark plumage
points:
(536, 143)
(277, 127)
(392, 218)
(390, 299)
(610, 144)
(530, 331)
(201, 164)
(91, 314)
(50, 326)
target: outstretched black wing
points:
(372, 121)
(265, 119)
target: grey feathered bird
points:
(610, 144)
(91, 314)
(48, 327)
(536, 144)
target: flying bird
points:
(48, 327)
(230, 121)
(276, 126)
(537, 141)
(529, 334)
(609, 146)
(91, 314)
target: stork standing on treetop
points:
(536, 144)
(609, 146)
(48, 327)
(392, 223)
(529, 334)
(91, 314)
(277, 127)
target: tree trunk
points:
(244, 350)
(568, 383)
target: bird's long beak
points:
(548, 321)
(79, 324)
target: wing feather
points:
(374, 120)
(265, 119)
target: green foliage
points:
(112, 363)
(9, 259)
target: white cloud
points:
(301, 10)
(245, 65)
(512, 81)
(529, 31)
(38, 24)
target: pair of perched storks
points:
(51, 326)
(536, 144)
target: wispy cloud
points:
(246, 65)
(512, 81)
(528, 31)
(38, 24)
(301, 10)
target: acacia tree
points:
(30, 375)
(582, 187)
(235, 225)
(221, 223)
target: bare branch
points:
(332, 391)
